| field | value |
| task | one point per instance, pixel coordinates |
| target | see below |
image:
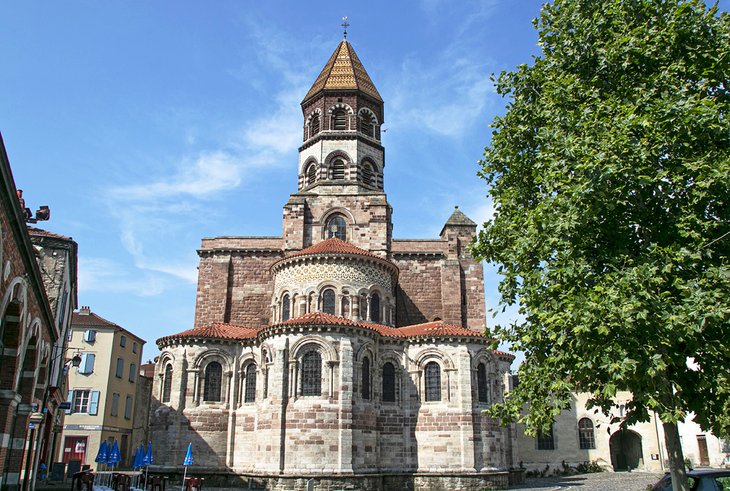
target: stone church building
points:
(336, 352)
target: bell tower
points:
(340, 189)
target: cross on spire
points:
(345, 25)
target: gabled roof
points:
(46, 233)
(458, 218)
(91, 319)
(344, 71)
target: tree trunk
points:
(676, 457)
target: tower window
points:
(311, 174)
(311, 373)
(328, 301)
(167, 383)
(213, 378)
(338, 169)
(366, 173)
(482, 387)
(249, 394)
(433, 382)
(388, 382)
(336, 228)
(314, 125)
(365, 388)
(285, 308)
(375, 307)
(546, 441)
(366, 124)
(339, 119)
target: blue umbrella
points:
(147, 461)
(114, 456)
(103, 456)
(134, 459)
(188, 461)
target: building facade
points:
(336, 352)
(580, 435)
(102, 389)
(28, 334)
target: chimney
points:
(85, 310)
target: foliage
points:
(609, 174)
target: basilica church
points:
(336, 352)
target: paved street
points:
(602, 481)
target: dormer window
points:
(339, 119)
(314, 125)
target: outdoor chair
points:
(156, 483)
(121, 482)
(194, 484)
(83, 479)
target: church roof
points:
(458, 218)
(344, 71)
(333, 246)
(217, 330)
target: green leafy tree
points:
(610, 174)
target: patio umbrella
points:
(114, 458)
(188, 461)
(138, 457)
(147, 461)
(102, 457)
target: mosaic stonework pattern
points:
(308, 276)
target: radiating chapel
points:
(336, 352)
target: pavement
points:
(600, 481)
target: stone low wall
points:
(220, 481)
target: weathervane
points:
(345, 25)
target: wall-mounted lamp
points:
(75, 361)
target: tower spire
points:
(344, 25)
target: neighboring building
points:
(102, 390)
(335, 351)
(28, 334)
(582, 435)
(143, 401)
(57, 256)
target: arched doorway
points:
(626, 452)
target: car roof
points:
(708, 472)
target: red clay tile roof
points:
(333, 246)
(91, 319)
(46, 233)
(437, 328)
(216, 331)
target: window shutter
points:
(128, 407)
(70, 400)
(87, 363)
(90, 336)
(94, 402)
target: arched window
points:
(375, 307)
(328, 301)
(482, 386)
(285, 308)
(365, 387)
(167, 383)
(339, 119)
(366, 174)
(311, 174)
(311, 373)
(338, 169)
(586, 437)
(249, 394)
(433, 382)
(314, 125)
(388, 382)
(366, 124)
(336, 227)
(213, 377)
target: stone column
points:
(356, 307)
(345, 388)
(233, 377)
(463, 399)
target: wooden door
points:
(702, 445)
(74, 448)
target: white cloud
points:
(98, 274)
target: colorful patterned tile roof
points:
(333, 246)
(217, 331)
(344, 71)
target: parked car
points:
(699, 480)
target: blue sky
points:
(146, 126)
